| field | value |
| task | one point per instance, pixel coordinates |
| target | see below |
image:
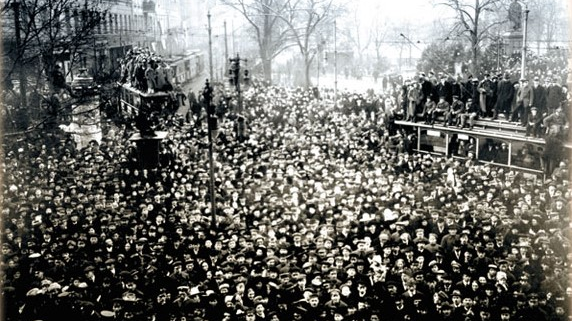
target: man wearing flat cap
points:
(457, 109)
(533, 123)
(532, 311)
(539, 95)
(525, 96)
(335, 303)
(554, 95)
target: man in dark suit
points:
(539, 97)
(505, 94)
(553, 95)
(444, 88)
(525, 99)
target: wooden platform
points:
(483, 128)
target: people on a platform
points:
(442, 110)
(471, 114)
(533, 123)
(485, 95)
(151, 77)
(556, 124)
(146, 71)
(515, 107)
(525, 98)
(538, 96)
(505, 95)
(457, 110)
(413, 98)
(428, 109)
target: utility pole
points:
(20, 54)
(211, 126)
(525, 27)
(335, 66)
(499, 41)
(233, 38)
(210, 48)
(318, 78)
(410, 58)
(225, 43)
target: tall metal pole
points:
(238, 83)
(20, 51)
(335, 66)
(208, 101)
(233, 39)
(498, 52)
(225, 46)
(525, 27)
(318, 80)
(210, 48)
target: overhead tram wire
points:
(434, 62)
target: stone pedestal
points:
(513, 42)
(148, 148)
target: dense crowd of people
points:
(146, 71)
(322, 212)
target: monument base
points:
(513, 42)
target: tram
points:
(495, 142)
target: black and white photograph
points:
(285, 160)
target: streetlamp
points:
(335, 65)
(234, 77)
(20, 53)
(211, 126)
(210, 46)
(525, 31)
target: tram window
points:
(461, 145)
(526, 155)
(432, 141)
(492, 150)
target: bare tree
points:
(358, 38)
(378, 33)
(267, 19)
(49, 31)
(471, 22)
(308, 17)
(546, 22)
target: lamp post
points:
(499, 46)
(20, 53)
(335, 65)
(525, 31)
(234, 77)
(318, 73)
(211, 126)
(210, 47)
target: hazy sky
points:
(413, 10)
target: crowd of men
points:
(144, 70)
(453, 101)
(322, 212)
